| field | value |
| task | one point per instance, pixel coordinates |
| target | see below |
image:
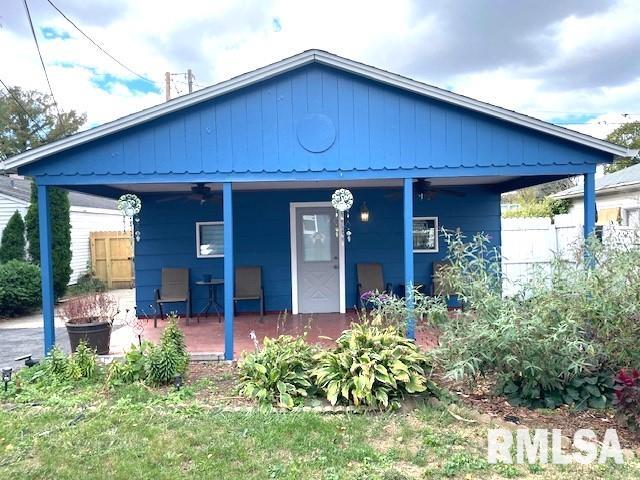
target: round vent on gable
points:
(316, 132)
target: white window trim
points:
(625, 214)
(198, 254)
(430, 250)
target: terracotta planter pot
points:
(96, 335)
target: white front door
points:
(317, 260)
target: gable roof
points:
(20, 189)
(624, 179)
(296, 61)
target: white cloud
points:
(225, 38)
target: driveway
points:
(24, 335)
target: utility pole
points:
(190, 80)
(167, 85)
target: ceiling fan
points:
(200, 192)
(423, 189)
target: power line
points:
(100, 47)
(44, 68)
(22, 107)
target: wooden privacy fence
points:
(112, 258)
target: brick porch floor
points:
(208, 335)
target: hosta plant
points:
(278, 373)
(372, 365)
(581, 392)
(627, 397)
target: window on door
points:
(316, 240)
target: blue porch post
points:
(227, 207)
(589, 204)
(46, 268)
(408, 254)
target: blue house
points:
(242, 174)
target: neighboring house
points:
(242, 174)
(89, 213)
(617, 198)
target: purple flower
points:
(366, 295)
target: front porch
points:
(207, 336)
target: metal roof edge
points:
(290, 63)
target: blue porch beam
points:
(407, 198)
(589, 204)
(227, 216)
(46, 268)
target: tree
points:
(627, 135)
(33, 122)
(20, 132)
(60, 236)
(12, 245)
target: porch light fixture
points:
(364, 213)
(6, 377)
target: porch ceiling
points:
(385, 183)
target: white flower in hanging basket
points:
(342, 199)
(129, 204)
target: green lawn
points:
(142, 433)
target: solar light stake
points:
(6, 377)
(177, 381)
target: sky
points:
(571, 62)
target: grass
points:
(138, 432)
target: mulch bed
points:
(566, 419)
(224, 376)
(224, 379)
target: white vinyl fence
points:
(529, 242)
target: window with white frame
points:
(209, 239)
(425, 234)
(631, 217)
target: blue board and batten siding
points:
(313, 123)
(256, 133)
(262, 237)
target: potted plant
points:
(90, 318)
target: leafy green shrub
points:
(157, 364)
(61, 367)
(83, 362)
(547, 207)
(163, 363)
(173, 338)
(132, 369)
(60, 233)
(87, 283)
(392, 310)
(279, 372)
(13, 243)
(627, 397)
(19, 288)
(372, 365)
(56, 363)
(557, 339)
